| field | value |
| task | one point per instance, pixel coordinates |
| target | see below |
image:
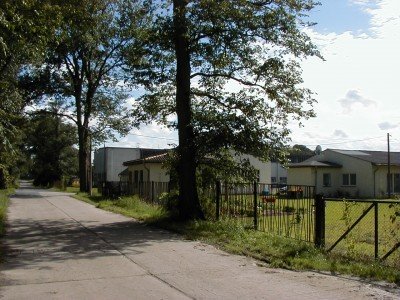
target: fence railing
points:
(361, 228)
(283, 210)
(149, 191)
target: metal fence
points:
(149, 191)
(366, 229)
(282, 210)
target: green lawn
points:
(361, 240)
(294, 218)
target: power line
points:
(309, 145)
(344, 142)
(153, 137)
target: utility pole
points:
(389, 178)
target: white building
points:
(108, 162)
(348, 173)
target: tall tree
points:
(229, 70)
(25, 26)
(50, 142)
(85, 69)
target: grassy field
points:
(360, 241)
(234, 236)
(294, 218)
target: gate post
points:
(255, 205)
(217, 199)
(152, 192)
(319, 239)
(376, 225)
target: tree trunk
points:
(189, 206)
(3, 179)
(83, 159)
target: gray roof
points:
(160, 158)
(374, 157)
(312, 162)
(125, 172)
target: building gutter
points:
(376, 169)
(147, 169)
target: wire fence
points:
(282, 210)
(363, 229)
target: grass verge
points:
(4, 195)
(235, 238)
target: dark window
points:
(273, 179)
(326, 179)
(396, 185)
(353, 179)
(282, 179)
(349, 179)
(345, 179)
(141, 176)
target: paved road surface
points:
(61, 248)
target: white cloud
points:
(353, 98)
(364, 67)
(387, 125)
(340, 134)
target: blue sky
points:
(356, 86)
(340, 16)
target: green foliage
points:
(229, 72)
(25, 28)
(85, 71)
(50, 143)
(279, 252)
(245, 77)
(4, 194)
(130, 206)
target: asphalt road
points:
(60, 248)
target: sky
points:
(356, 85)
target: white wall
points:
(157, 172)
(364, 171)
(263, 167)
(278, 171)
(114, 158)
(301, 176)
(381, 179)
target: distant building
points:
(108, 162)
(349, 173)
(279, 173)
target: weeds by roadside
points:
(4, 195)
(235, 238)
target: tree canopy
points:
(84, 69)
(230, 72)
(25, 27)
(49, 143)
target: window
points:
(141, 176)
(273, 179)
(394, 183)
(349, 179)
(282, 179)
(326, 179)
